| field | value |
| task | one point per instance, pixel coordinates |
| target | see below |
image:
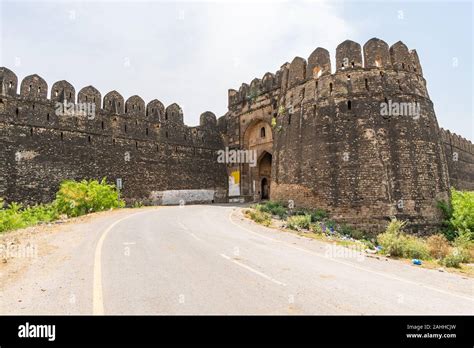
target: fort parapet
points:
(148, 146)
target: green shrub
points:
(14, 216)
(345, 230)
(74, 199)
(137, 204)
(11, 218)
(415, 248)
(316, 228)
(273, 208)
(392, 243)
(318, 215)
(315, 214)
(297, 222)
(458, 214)
(465, 243)
(358, 234)
(396, 243)
(454, 259)
(395, 226)
(260, 217)
(40, 213)
(463, 211)
(330, 223)
(79, 198)
(446, 226)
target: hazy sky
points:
(192, 52)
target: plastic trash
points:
(378, 248)
(416, 262)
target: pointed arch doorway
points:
(264, 174)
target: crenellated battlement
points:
(374, 59)
(113, 115)
(35, 89)
(457, 141)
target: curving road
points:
(208, 259)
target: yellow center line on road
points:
(392, 277)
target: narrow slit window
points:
(366, 84)
(349, 105)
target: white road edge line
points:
(253, 270)
(351, 265)
(97, 290)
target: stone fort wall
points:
(460, 158)
(157, 156)
(334, 149)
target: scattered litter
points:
(416, 262)
(441, 269)
(378, 248)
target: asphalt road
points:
(208, 259)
